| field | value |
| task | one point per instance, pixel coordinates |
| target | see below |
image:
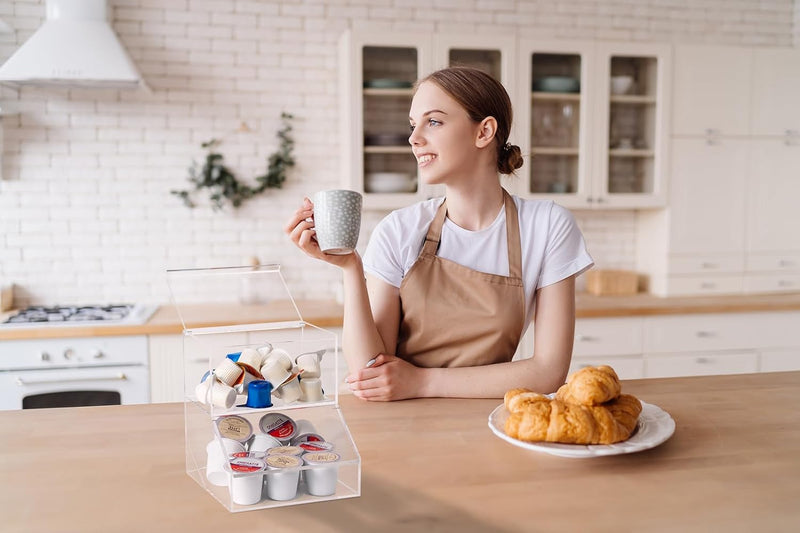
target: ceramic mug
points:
(337, 220)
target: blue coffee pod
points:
(234, 356)
(259, 394)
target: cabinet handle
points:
(709, 265)
(785, 283)
(589, 200)
(587, 338)
(707, 285)
(711, 137)
(601, 200)
(115, 377)
(786, 263)
(706, 334)
(702, 360)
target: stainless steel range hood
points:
(75, 47)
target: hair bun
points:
(509, 159)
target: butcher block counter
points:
(733, 463)
(328, 313)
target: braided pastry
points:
(535, 417)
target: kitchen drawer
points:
(774, 262)
(674, 365)
(783, 282)
(608, 336)
(706, 264)
(701, 332)
(779, 360)
(705, 284)
(631, 367)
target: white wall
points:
(85, 210)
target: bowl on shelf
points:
(386, 83)
(378, 182)
(557, 84)
(621, 84)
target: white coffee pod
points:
(228, 372)
(221, 395)
(250, 356)
(290, 391)
(274, 372)
(248, 480)
(283, 356)
(309, 363)
(305, 426)
(217, 453)
(321, 480)
(311, 389)
(261, 442)
(283, 476)
(264, 350)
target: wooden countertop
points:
(732, 464)
(327, 313)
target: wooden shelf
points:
(387, 149)
(539, 95)
(636, 99)
(630, 152)
(388, 92)
(554, 150)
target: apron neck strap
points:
(434, 234)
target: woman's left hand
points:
(388, 378)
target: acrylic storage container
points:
(242, 336)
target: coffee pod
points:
(274, 372)
(248, 479)
(305, 426)
(286, 450)
(264, 350)
(261, 442)
(228, 372)
(316, 446)
(283, 476)
(279, 426)
(322, 478)
(259, 394)
(250, 356)
(217, 453)
(306, 437)
(309, 363)
(283, 357)
(311, 389)
(246, 377)
(235, 427)
(215, 393)
(290, 391)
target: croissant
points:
(534, 417)
(590, 386)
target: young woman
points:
(451, 283)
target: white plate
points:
(655, 427)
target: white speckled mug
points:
(337, 219)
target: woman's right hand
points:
(300, 229)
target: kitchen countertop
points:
(428, 464)
(328, 313)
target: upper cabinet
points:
(712, 91)
(776, 84)
(594, 119)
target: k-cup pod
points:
(234, 356)
(259, 394)
(283, 476)
(228, 372)
(250, 356)
(290, 391)
(247, 376)
(316, 446)
(246, 488)
(322, 478)
(306, 437)
(337, 220)
(279, 426)
(264, 350)
(286, 450)
(283, 357)
(311, 389)
(235, 427)
(261, 442)
(309, 363)
(217, 453)
(305, 426)
(216, 393)
(274, 372)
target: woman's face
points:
(442, 135)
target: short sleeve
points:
(382, 257)
(565, 253)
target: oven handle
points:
(118, 377)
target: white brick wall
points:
(85, 209)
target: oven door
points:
(74, 387)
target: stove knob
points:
(98, 353)
(69, 353)
(44, 356)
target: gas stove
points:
(79, 315)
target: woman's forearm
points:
(491, 381)
(360, 339)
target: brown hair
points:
(482, 96)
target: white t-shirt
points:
(552, 245)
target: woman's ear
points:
(487, 129)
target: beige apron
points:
(452, 315)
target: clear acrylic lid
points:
(231, 297)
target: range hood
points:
(75, 47)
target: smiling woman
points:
(448, 286)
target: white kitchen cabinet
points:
(776, 84)
(711, 91)
(779, 360)
(166, 368)
(700, 364)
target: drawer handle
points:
(709, 265)
(786, 263)
(702, 360)
(587, 338)
(784, 283)
(24, 382)
(706, 334)
(707, 285)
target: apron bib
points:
(452, 315)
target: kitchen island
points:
(428, 465)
